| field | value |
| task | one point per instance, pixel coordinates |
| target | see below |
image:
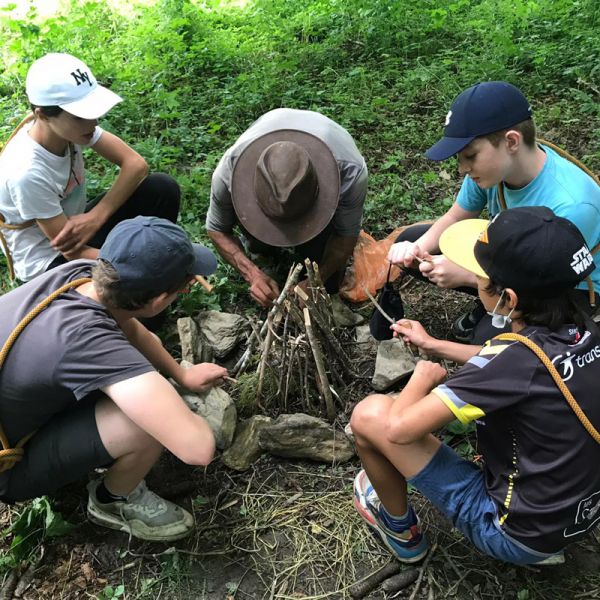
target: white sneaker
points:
(143, 515)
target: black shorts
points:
(62, 451)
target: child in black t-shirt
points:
(528, 502)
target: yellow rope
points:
(3, 224)
(557, 379)
(10, 456)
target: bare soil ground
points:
(286, 530)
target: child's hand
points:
(412, 332)
(432, 374)
(75, 234)
(403, 254)
(444, 273)
(202, 377)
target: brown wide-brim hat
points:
(276, 232)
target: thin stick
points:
(291, 281)
(263, 362)
(324, 326)
(378, 307)
(232, 379)
(318, 356)
(310, 273)
(422, 572)
(207, 286)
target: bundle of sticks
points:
(299, 348)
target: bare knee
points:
(119, 434)
(370, 416)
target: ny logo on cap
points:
(81, 77)
(447, 122)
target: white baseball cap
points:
(62, 80)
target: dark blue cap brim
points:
(447, 147)
(206, 261)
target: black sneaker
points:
(464, 327)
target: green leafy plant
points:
(111, 593)
(33, 525)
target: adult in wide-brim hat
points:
(285, 187)
(294, 180)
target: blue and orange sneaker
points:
(407, 546)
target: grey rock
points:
(394, 362)
(222, 331)
(245, 449)
(343, 315)
(367, 343)
(303, 436)
(217, 407)
(194, 348)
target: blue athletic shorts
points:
(457, 488)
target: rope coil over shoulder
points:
(10, 456)
(577, 163)
(557, 379)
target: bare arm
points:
(53, 226)
(413, 332)
(429, 241)
(133, 169)
(197, 378)
(152, 403)
(263, 288)
(415, 411)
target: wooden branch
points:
(321, 285)
(365, 586)
(207, 286)
(318, 356)
(310, 275)
(326, 330)
(263, 363)
(291, 281)
(378, 307)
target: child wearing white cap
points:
(46, 216)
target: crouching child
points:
(84, 382)
(539, 487)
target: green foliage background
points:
(195, 74)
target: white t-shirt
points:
(36, 184)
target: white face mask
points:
(500, 321)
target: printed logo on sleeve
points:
(588, 514)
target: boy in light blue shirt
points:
(491, 131)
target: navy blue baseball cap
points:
(479, 110)
(152, 254)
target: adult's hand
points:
(403, 254)
(75, 233)
(202, 377)
(444, 273)
(263, 289)
(412, 332)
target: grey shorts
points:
(62, 451)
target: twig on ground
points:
(422, 571)
(370, 582)
(400, 581)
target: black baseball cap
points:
(153, 254)
(481, 109)
(528, 249)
